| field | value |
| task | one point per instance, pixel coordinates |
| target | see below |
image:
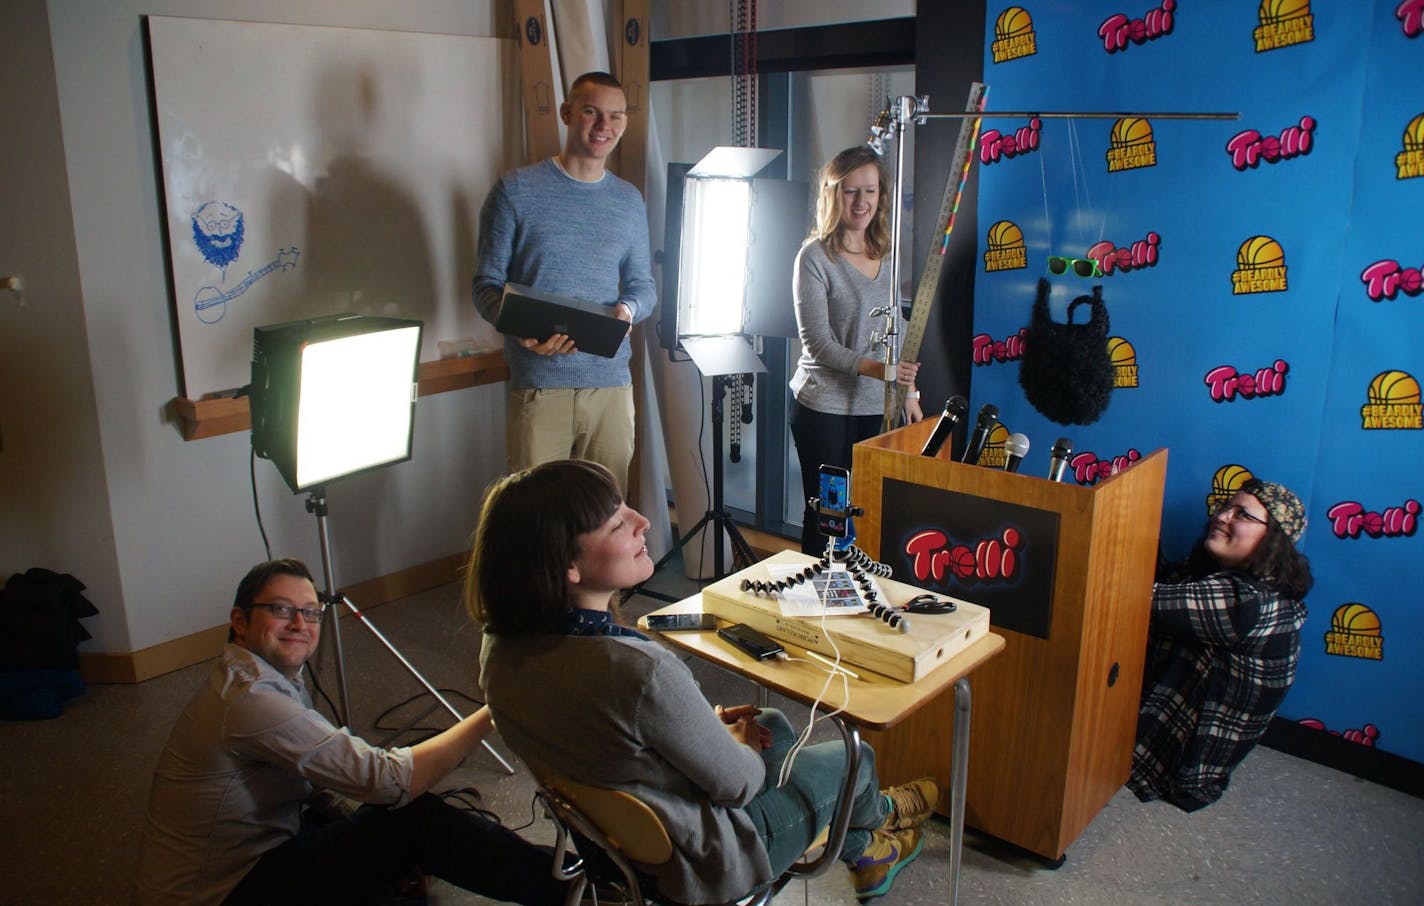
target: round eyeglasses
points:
(1236, 511)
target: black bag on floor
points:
(40, 612)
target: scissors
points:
(929, 604)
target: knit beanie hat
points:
(1283, 506)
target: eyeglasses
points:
(1237, 511)
(1083, 267)
(287, 611)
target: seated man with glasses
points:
(226, 817)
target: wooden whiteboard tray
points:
(864, 641)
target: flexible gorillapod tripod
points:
(316, 504)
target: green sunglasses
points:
(1083, 267)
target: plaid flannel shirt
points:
(1222, 653)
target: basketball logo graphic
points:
(1124, 362)
(1392, 403)
(1006, 248)
(994, 455)
(1273, 12)
(1013, 22)
(1355, 631)
(1283, 23)
(1260, 267)
(1224, 485)
(1393, 387)
(1013, 35)
(1131, 145)
(1409, 163)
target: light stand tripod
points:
(316, 504)
(717, 515)
(718, 358)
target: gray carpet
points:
(1288, 831)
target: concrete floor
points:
(1288, 831)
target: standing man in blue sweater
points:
(568, 226)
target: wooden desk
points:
(876, 702)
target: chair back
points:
(622, 819)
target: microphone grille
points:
(1016, 445)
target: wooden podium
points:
(1055, 716)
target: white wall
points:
(54, 501)
(160, 528)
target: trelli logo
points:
(1006, 250)
(1260, 267)
(1226, 384)
(987, 350)
(1013, 36)
(1124, 362)
(995, 145)
(1131, 145)
(1364, 736)
(1349, 518)
(1355, 632)
(1136, 256)
(1392, 403)
(1089, 469)
(994, 455)
(990, 560)
(1224, 485)
(1410, 14)
(1283, 23)
(1118, 29)
(1409, 163)
(533, 31)
(1385, 279)
(1248, 147)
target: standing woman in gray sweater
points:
(842, 272)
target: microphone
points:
(954, 409)
(1017, 448)
(988, 417)
(1062, 450)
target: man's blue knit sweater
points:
(543, 228)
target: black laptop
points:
(529, 312)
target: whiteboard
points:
(312, 170)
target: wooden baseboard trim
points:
(146, 663)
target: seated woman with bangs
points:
(577, 695)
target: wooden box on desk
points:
(863, 640)
(1055, 717)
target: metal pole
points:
(1076, 114)
(410, 668)
(316, 503)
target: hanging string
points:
(1043, 185)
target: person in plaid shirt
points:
(1222, 648)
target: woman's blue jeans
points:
(789, 818)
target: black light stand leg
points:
(316, 503)
(410, 668)
(718, 516)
